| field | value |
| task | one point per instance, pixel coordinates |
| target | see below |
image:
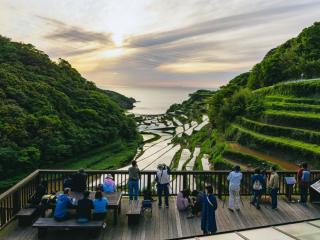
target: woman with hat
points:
(109, 185)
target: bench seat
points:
(26, 216)
(43, 224)
(134, 212)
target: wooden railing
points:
(16, 197)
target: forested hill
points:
(123, 101)
(300, 55)
(261, 118)
(49, 113)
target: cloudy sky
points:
(167, 43)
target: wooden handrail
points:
(20, 184)
(12, 200)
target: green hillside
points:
(50, 115)
(279, 121)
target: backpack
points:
(257, 185)
(305, 176)
(163, 176)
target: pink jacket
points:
(182, 203)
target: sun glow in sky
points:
(190, 43)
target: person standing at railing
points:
(234, 179)
(163, 181)
(304, 178)
(257, 181)
(133, 184)
(209, 206)
(273, 185)
(79, 181)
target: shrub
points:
(292, 119)
(279, 131)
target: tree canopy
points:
(49, 112)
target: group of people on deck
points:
(86, 208)
(196, 203)
(201, 202)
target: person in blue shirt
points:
(109, 185)
(209, 206)
(61, 212)
(258, 182)
(100, 205)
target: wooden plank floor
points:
(170, 223)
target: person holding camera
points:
(163, 181)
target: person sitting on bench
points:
(109, 185)
(183, 201)
(100, 205)
(41, 190)
(61, 212)
(84, 208)
(79, 181)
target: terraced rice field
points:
(288, 132)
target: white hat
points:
(109, 176)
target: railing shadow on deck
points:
(17, 197)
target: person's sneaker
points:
(104, 225)
(167, 206)
(230, 209)
(238, 209)
(258, 207)
(275, 208)
(159, 206)
(190, 216)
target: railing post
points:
(184, 180)
(220, 186)
(16, 201)
(149, 183)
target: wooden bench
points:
(27, 216)
(43, 224)
(134, 212)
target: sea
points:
(154, 100)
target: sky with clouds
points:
(164, 43)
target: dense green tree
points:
(49, 113)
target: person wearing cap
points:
(108, 184)
(163, 181)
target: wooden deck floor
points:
(169, 223)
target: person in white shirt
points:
(234, 179)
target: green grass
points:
(309, 136)
(246, 159)
(109, 157)
(305, 120)
(113, 156)
(297, 150)
(176, 159)
(278, 98)
(304, 89)
(292, 107)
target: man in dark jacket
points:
(79, 181)
(84, 208)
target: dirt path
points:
(282, 163)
